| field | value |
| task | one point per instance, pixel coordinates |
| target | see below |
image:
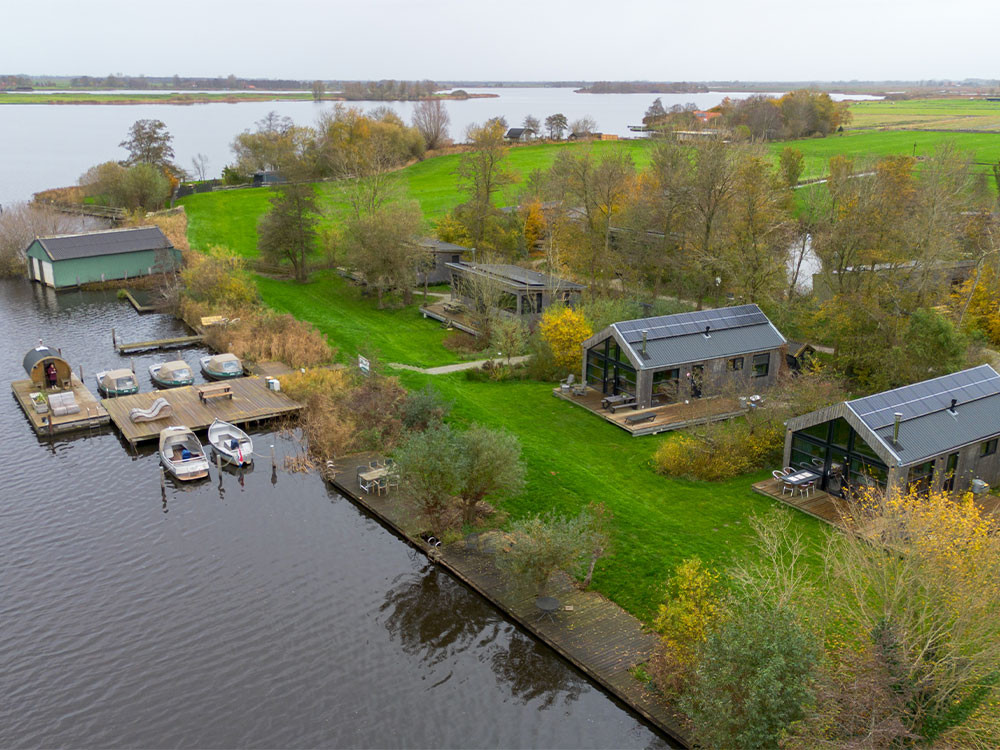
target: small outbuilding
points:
(520, 292)
(47, 368)
(439, 253)
(688, 355)
(938, 434)
(517, 134)
(68, 260)
(799, 355)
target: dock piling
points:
(131, 364)
(163, 483)
(114, 341)
(81, 373)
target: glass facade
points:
(761, 365)
(609, 370)
(666, 384)
(836, 451)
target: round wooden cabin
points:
(36, 364)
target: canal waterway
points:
(262, 611)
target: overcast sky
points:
(667, 40)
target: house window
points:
(761, 365)
(456, 258)
(988, 448)
(736, 363)
(921, 476)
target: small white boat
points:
(231, 443)
(181, 454)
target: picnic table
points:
(547, 606)
(214, 390)
(372, 474)
(618, 399)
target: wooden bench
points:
(646, 416)
(215, 390)
(631, 404)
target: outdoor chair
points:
(382, 485)
(373, 464)
(805, 489)
(789, 470)
(817, 462)
(784, 485)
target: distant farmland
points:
(926, 114)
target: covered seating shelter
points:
(37, 363)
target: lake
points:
(44, 146)
(260, 611)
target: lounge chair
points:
(645, 416)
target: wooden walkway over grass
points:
(252, 401)
(592, 633)
(91, 414)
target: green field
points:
(985, 147)
(926, 114)
(574, 458)
(229, 217)
(355, 325)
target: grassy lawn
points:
(926, 114)
(875, 143)
(354, 324)
(574, 458)
(229, 217)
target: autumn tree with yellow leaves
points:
(564, 329)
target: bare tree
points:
(23, 222)
(532, 127)
(431, 118)
(584, 126)
(200, 164)
(483, 173)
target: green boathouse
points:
(69, 260)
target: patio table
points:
(620, 398)
(801, 477)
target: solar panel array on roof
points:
(929, 396)
(685, 324)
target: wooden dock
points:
(172, 343)
(591, 632)
(252, 401)
(140, 300)
(92, 413)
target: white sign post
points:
(364, 364)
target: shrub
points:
(720, 451)
(263, 335)
(564, 329)
(423, 408)
(219, 281)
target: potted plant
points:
(39, 401)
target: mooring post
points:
(163, 482)
(218, 464)
(81, 373)
(131, 363)
(272, 456)
(114, 341)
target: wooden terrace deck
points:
(460, 320)
(836, 510)
(667, 417)
(91, 414)
(251, 402)
(591, 632)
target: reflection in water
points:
(533, 675)
(421, 614)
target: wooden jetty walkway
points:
(91, 414)
(140, 300)
(252, 401)
(591, 632)
(171, 343)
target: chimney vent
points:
(895, 428)
(707, 334)
(952, 407)
(644, 332)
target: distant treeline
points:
(642, 87)
(388, 90)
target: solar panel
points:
(923, 398)
(685, 324)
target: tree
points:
(532, 127)
(381, 245)
(564, 329)
(790, 165)
(583, 126)
(200, 164)
(318, 90)
(431, 119)
(556, 125)
(491, 466)
(148, 142)
(429, 467)
(540, 545)
(23, 222)
(753, 679)
(275, 144)
(288, 230)
(655, 113)
(483, 173)
(508, 337)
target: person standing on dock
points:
(51, 375)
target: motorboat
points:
(171, 374)
(231, 443)
(221, 366)
(182, 454)
(111, 383)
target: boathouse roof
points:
(106, 242)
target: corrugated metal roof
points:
(678, 339)
(109, 242)
(515, 275)
(928, 427)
